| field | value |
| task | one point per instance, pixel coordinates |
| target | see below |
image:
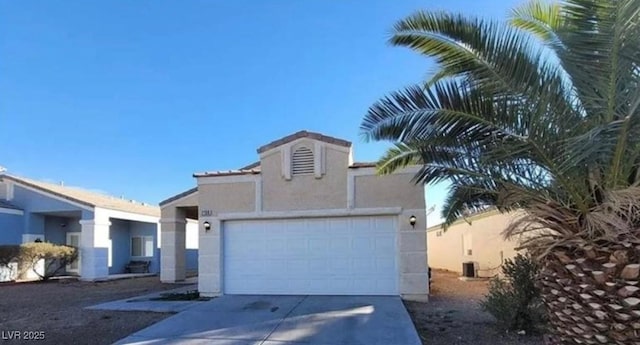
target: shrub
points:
(513, 299)
(55, 257)
(9, 253)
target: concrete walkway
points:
(286, 320)
(126, 276)
(145, 302)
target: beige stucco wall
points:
(305, 192)
(173, 244)
(339, 192)
(383, 191)
(227, 197)
(187, 201)
(172, 210)
(487, 244)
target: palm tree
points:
(540, 114)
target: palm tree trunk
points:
(592, 294)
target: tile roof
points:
(179, 195)
(356, 165)
(227, 173)
(254, 165)
(254, 168)
(6, 204)
(304, 134)
(88, 198)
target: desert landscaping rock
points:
(453, 315)
(58, 309)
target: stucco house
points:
(477, 239)
(304, 219)
(110, 232)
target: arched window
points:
(302, 161)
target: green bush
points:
(513, 299)
(9, 253)
(55, 256)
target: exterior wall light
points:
(207, 226)
(412, 221)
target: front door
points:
(73, 239)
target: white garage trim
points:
(326, 256)
(378, 211)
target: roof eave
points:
(222, 174)
(300, 135)
(45, 190)
(178, 196)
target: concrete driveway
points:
(286, 320)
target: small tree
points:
(513, 299)
(55, 257)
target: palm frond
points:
(542, 19)
(541, 113)
(399, 156)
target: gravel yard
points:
(56, 308)
(452, 316)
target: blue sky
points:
(132, 97)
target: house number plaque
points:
(206, 213)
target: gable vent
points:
(302, 161)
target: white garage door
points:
(333, 256)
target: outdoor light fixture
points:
(412, 221)
(207, 226)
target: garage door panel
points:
(319, 244)
(361, 225)
(355, 255)
(339, 244)
(381, 224)
(296, 245)
(276, 246)
(363, 246)
(384, 243)
(293, 227)
(336, 227)
(385, 264)
(320, 266)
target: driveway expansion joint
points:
(283, 318)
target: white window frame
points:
(142, 249)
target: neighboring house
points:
(109, 231)
(477, 239)
(304, 219)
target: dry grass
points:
(453, 315)
(57, 308)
